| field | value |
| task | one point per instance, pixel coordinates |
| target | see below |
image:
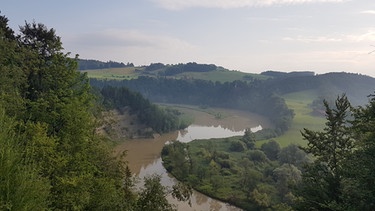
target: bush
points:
(271, 149)
(237, 146)
(257, 156)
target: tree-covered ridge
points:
(90, 64)
(328, 86)
(50, 156)
(278, 74)
(191, 70)
(159, 119)
(237, 95)
(188, 67)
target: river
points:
(143, 155)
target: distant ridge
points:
(91, 64)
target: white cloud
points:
(371, 12)
(368, 36)
(310, 39)
(228, 4)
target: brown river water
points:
(143, 155)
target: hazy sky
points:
(246, 35)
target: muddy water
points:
(143, 155)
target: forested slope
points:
(328, 86)
(241, 95)
(50, 156)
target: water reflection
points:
(199, 201)
(207, 132)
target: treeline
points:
(170, 70)
(51, 157)
(188, 67)
(327, 86)
(159, 119)
(90, 64)
(278, 74)
(249, 96)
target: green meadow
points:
(125, 73)
(300, 103)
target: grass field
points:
(113, 73)
(128, 73)
(299, 102)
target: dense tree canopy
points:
(51, 158)
(159, 119)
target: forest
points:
(51, 157)
(159, 119)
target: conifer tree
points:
(322, 186)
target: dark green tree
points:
(292, 154)
(249, 138)
(321, 187)
(153, 196)
(271, 149)
(359, 193)
(21, 187)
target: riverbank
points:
(232, 171)
(143, 155)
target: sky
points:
(246, 35)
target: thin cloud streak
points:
(312, 39)
(368, 36)
(371, 12)
(230, 4)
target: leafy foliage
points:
(159, 119)
(246, 178)
(50, 156)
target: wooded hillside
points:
(50, 156)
